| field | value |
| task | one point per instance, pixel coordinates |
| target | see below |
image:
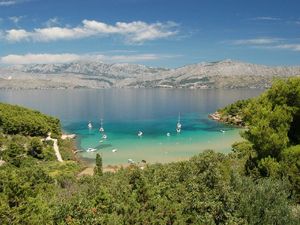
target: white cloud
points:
(266, 18)
(133, 32)
(10, 2)
(17, 35)
(52, 22)
(267, 43)
(293, 47)
(15, 19)
(256, 41)
(39, 58)
(128, 58)
(67, 57)
(7, 3)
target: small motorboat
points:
(168, 134)
(91, 150)
(114, 150)
(104, 136)
(140, 133)
(131, 161)
(90, 126)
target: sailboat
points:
(101, 129)
(91, 150)
(178, 125)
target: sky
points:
(158, 33)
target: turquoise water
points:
(126, 111)
(198, 133)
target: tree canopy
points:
(19, 120)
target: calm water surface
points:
(126, 111)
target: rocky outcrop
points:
(229, 119)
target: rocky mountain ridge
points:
(89, 74)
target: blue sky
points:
(166, 33)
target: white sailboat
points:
(140, 133)
(101, 129)
(178, 125)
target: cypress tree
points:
(98, 168)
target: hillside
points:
(88, 74)
(19, 120)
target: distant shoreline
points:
(107, 88)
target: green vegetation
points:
(203, 190)
(66, 148)
(257, 183)
(19, 120)
(273, 132)
(98, 170)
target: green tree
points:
(287, 92)
(19, 120)
(268, 127)
(35, 148)
(269, 167)
(265, 202)
(14, 154)
(291, 168)
(98, 170)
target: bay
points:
(125, 112)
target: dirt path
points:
(56, 148)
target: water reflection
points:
(123, 104)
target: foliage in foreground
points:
(207, 189)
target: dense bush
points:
(235, 108)
(19, 120)
(273, 131)
(203, 190)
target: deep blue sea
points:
(125, 112)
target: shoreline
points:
(87, 168)
(87, 164)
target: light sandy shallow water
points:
(161, 149)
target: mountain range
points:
(92, 74)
